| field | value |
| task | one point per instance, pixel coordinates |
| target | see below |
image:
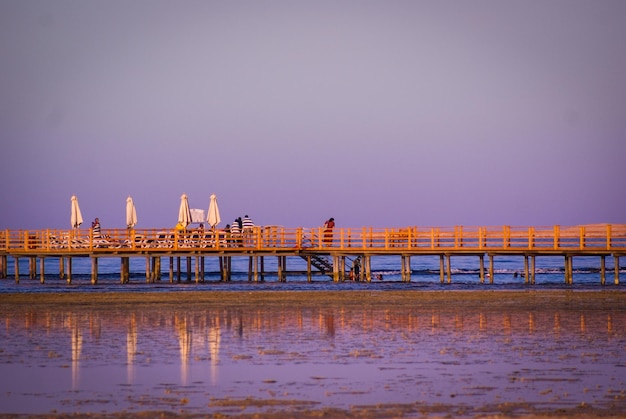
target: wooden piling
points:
(602, 269)
(280, 269)
(491, 273)
(148, 278)
(481, 273)
(308, 268)
(448, 268)
(441, 269)
(616, 259)
(41, 270)
(94, 270)
(3, 266)
(16, 261)
(69, 270)
(262, 272)
(526, 278)
(32, 267)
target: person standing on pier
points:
(328, 231)
(235, 232)
(247, 228)
(95, 229)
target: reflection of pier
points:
(131, 348)
(77, 347)
(209, 323)
(184, 343)
(328, 257)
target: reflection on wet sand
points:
(77, 346)
(333, 355)
(131, 347)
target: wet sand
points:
(457, 303)
(468, 300)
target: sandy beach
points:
(524, 313)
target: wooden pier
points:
(325, 252)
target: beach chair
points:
(164, 240)
(56, 243)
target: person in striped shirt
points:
(235, 233)
(248, 227)
(95, 227)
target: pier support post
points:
(308, 268)
(255, 264)
(342, 268)
(197, 269)
(602, 270)
(532, 269)
(32, 267)
(41, 270)
(148, 274)
(16, 265)
(69, 270)
(335, 268)
(61, 268)
(569, 276)
(157, 267)
(408, 268)
(250, 269)
(448, 269)
(481, 272)
(402, 268)
(616, 259)
(262, 269)
(125, 270)
(171, 270)
(3, 266)
(202, 268)
(441, 268)
(178, 273)
(491, 268)
(280, 269)
(367, 262)
(526, 279)
(188, 266)
(94, 270)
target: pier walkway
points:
(324, 251)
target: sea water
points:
(386, 274)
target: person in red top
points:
(328, 231)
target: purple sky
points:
(378, 113)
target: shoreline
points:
(450, 299)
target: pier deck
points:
(325, 251)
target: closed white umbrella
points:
(76, 218)
(131, 213)
(184, 214)
(213, 218)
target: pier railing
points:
(586, 238)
